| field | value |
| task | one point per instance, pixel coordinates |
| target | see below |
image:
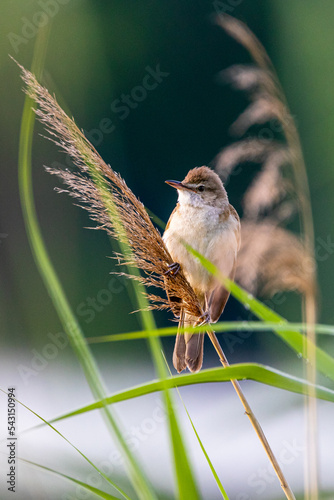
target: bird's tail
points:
(188, 350)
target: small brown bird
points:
(204, 219)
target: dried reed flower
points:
(248, 77)
(243, 35)
(271, 258)
(268, 187)
(250, 149)
(112, 205)
(263, 109)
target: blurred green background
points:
(98, 52)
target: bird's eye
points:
(200, 188)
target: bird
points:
(204, 219)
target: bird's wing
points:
(194, 343)
(179, 354)
(216, 302)
(217, 299)
(170, 217)
(237, 218)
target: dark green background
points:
(99, 50)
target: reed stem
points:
(255, 423)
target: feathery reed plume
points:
(246, 77)
(267, 268)
(250, 149)
(112, 205)
(268, 103)
(268, 188)
(274, 185)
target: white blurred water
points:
(216, 411)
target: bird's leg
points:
(204, 319)
(173, 269)
(206, 316)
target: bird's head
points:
(201, 187)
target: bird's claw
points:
(204, 319)
(173, 269)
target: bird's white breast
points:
(202, 228)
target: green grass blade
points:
(293, 338)
(56, 292)
(96, 491)
(159, 222)
(213, 470)
(227, 326)
(184, 476)
(185, 480)
(45, 422)
(250, 371)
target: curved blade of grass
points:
(293, 338)
(186, 484)
(101, 473)
(96, 491)
(185, 480)
(227, 326)
(159, 222)
(213, 470)
(250, 371)
(55, 290)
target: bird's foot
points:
(204, 319)
(173, 269)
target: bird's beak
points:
(179, 185)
